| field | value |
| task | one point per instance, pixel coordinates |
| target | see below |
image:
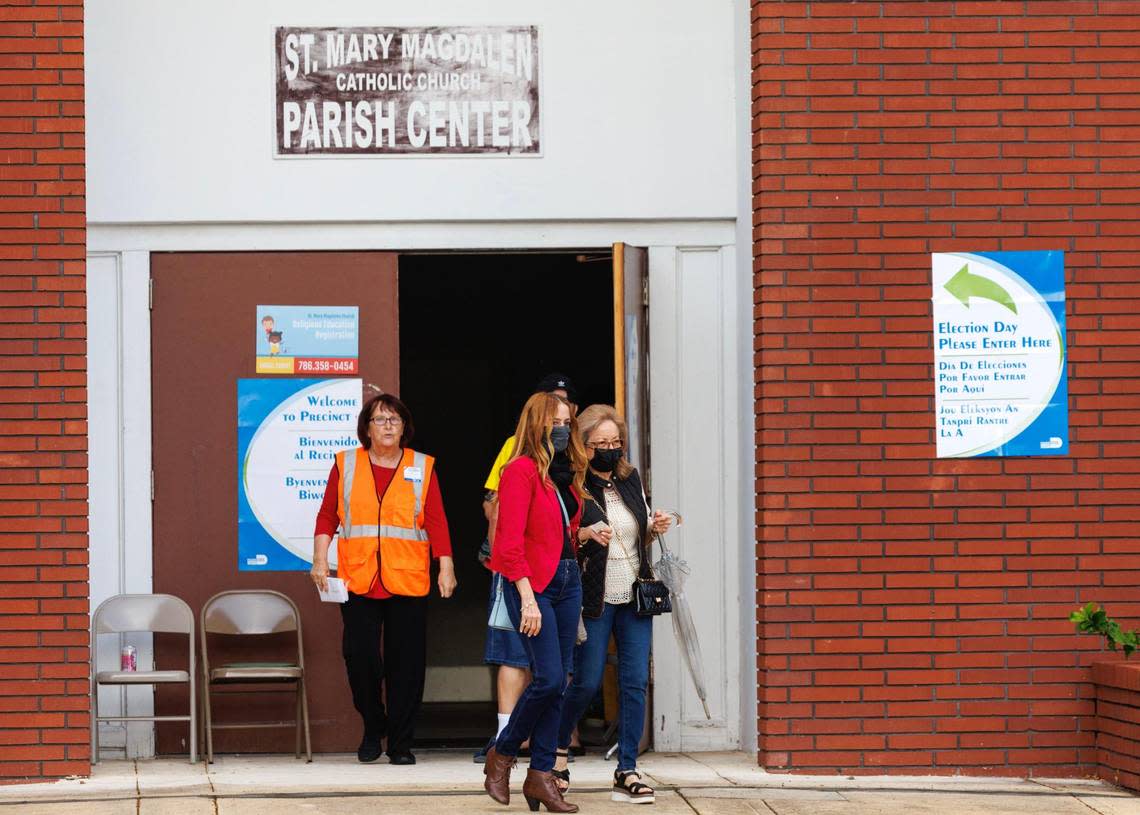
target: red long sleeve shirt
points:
(529, 533)
(435, 521)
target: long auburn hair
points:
(532, 438)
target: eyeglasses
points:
(387, 421)
(605, 444)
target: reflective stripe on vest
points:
(346, 491)
(365, 531)
(419, 460)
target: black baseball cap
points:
(557, 382)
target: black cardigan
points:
(592, 556)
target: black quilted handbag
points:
(650, 595)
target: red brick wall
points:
(43, 432)
(913, 610)
(1118, 722)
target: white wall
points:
(644, 141)
(637, 102)
(746, 405)
(118, 405)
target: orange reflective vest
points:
(383, 538)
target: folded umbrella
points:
(672, 571)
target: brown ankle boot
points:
(539, 787)
(497, 768)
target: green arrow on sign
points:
(964, 285)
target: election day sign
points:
(307, 339)
(289, 432)
(999, 354)
(441, 90)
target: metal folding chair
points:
(253, 613)
(129, 613)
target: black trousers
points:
(403, 623)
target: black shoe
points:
(562, 777)
(369, 749)
(481, 756)
(402, 758)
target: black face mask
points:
(559, 438)
(560, 471)
(604, 461)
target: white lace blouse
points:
(623, 560)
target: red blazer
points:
(528, 535)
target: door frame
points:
(119, 516)
(678, 250)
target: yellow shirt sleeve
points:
(501, 460)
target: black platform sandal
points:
(631, 792)
(562, 777)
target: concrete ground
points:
(447, 781)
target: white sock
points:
(503, 719)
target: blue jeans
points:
(633, 634)
(537, 714)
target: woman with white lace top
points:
(612, 542)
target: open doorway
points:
(477, 331)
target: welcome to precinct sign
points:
(407, 91)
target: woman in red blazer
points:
(540, 504)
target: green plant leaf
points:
(1092, 619)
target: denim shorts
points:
(503, 647)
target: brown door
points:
(201, 344)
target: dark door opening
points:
(477, 331)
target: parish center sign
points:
(407, 91)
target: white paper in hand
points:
(337, 592)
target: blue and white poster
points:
(307, 339)
(999, 354)
(289, 432)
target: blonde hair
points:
(532, 438)
(592, 417)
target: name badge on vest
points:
(413, 474)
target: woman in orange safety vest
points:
(385, 500)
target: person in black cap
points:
(505, 648)
(559, 385)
